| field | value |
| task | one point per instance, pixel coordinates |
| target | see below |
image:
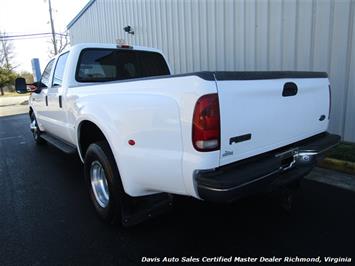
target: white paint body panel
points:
(157, 113)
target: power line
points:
(18, 36)
(26, 38)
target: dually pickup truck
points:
(144, 134)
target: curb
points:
(339, 165)
(333, 178)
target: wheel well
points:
(88, 134)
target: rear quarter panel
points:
(157, 115)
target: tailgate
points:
(259, 115)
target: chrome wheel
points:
(99, 184)
(34, 129)
(36, 132)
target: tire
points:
(36, 132)
(106, 195)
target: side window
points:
(59, 70)
(46, 73)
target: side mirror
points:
(20, 85)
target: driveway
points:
(13, 105)
(47, 219)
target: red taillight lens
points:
(330, 101)
(206, 124)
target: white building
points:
(308, 35)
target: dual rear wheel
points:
(103, 181)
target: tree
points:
(7, 74)
(62, 42)
(6, 52)
(7, 77)
(27, 76)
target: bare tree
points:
(7, 75)
(6, 52)
(62, 42)
(27, 76)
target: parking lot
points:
(46, 216)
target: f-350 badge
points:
(227, 153)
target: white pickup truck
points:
(143, 133)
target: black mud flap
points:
(136, 210)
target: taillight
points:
(206, 124)
(330, 101)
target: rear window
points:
(97, 65)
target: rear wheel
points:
(36, 132)
(103, 181)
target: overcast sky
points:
(26, 17)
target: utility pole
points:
(52, 26)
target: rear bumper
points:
(263, 172)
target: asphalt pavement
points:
(46, 217)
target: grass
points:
(345, 151)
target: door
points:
(56, 115)
(40, 99)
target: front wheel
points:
(36, 132)
(103, 181)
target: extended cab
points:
(144, 134)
